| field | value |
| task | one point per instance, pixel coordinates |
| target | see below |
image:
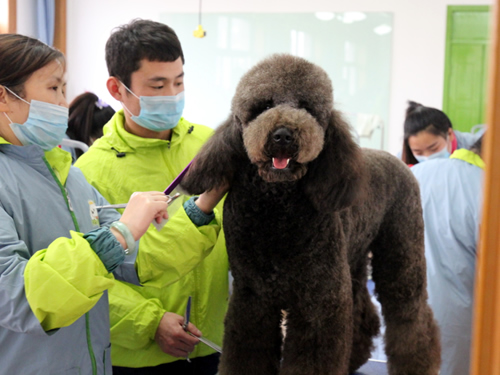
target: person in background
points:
(145, 146)
(58, 249)
(87, 116)
(451, 192)
(428, 134)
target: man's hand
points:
(209, 199)
(171, 337)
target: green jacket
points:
(178, 261)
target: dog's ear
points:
(216, 162)
(335, 179)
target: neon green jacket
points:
(178, 261)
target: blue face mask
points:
(443, 154)
(46, 124)
(158, 113)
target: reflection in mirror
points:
(353, 47)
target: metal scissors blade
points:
(206, 341)
(115, 206)
(167, 191)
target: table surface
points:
(372, 368)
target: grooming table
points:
(372, 368)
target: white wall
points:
(26, 17)
(418, 41)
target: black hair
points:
(87, 116)
(478, 146)
(20, 57)
(421, 118)
(140, 39)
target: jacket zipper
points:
(65, 195)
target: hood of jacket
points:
(115, 136)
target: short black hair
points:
(131, 43)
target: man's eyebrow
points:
(158, 78)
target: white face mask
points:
(46, 124)
(441, 154)
(158, 113)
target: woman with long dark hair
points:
(58, 249)
(87, 116)
(429, 134)
(451, 193)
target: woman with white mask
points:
(58, 250)
(428, 134)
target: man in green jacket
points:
(144, 147)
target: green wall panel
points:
(470, 24)
(467, 41)
(466, 86)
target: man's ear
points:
(113, 84)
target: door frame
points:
(486, 326)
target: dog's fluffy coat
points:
(298, 236)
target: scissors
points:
(205, 341)
(123, 205)
(167, 191)
(187, 315)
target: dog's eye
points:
(259, 108)
(305, 105)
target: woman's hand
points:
(142, 209)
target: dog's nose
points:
(282, 136)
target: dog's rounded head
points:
(283, 106)
(284, 125)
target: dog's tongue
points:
(280, 163)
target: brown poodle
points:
(305, 207)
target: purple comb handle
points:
(177, 180)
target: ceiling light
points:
(325, 16)
(382, 29)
